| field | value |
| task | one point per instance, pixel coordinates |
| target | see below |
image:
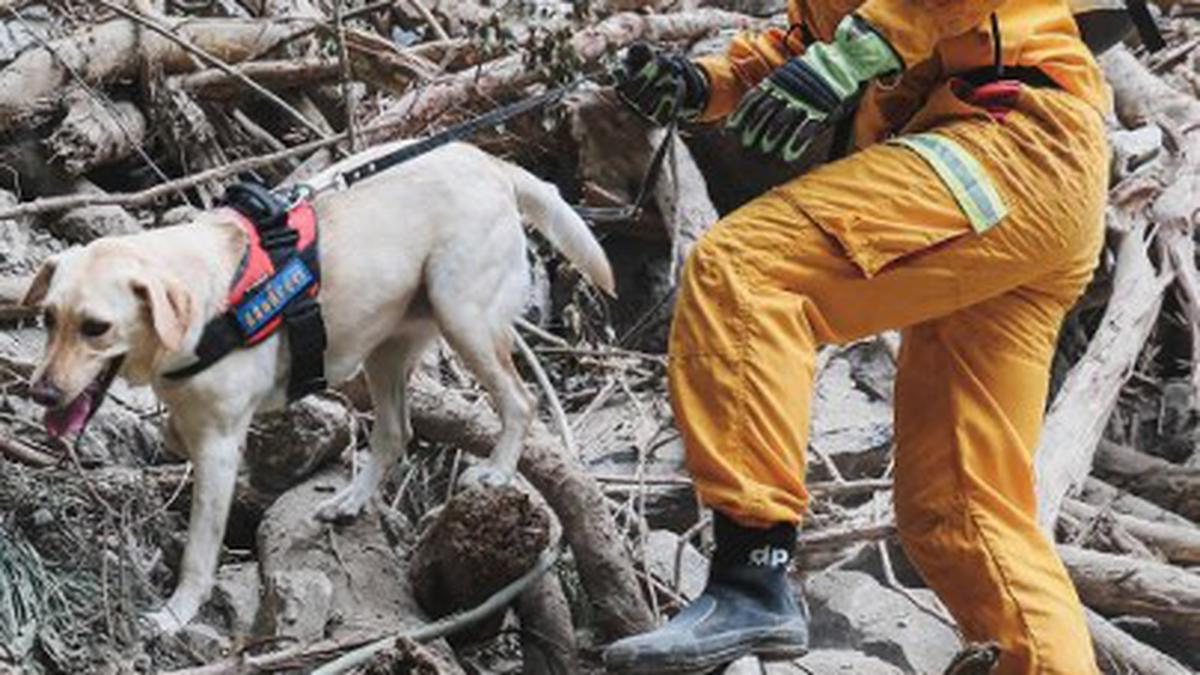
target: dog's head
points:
(104, 306)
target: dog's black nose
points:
(46, 394)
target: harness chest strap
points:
(276, 286)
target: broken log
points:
(1179, 544)
(1119, 653)
(1171, 486)
(1100, 494)
(1114, 585)
(95, 132)
(547, 633)
(605, 568)
(1076, 420)
(116, 49)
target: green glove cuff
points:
(857, 54)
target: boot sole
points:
(774, 646)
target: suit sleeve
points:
(915, 27)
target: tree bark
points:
(1098, 493)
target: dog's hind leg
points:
(388, 368)
(488, 354)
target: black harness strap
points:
(302, 316)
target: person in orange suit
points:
(968, 214)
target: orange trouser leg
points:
(969, 399)
(771, 282)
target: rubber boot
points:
(747, 607)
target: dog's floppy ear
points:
(170, 307)
(40, 284)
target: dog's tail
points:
(542, 205)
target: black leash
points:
(492, 118)
(457, 132)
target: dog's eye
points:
(94, 328)
(48, 320)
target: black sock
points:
(758, 547)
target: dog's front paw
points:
(345, 505)
(484, 475)
(162, 622)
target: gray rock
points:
(236, 598)
(847, 419)
(661, 549)
(87, 223)
(296, 605)
(833, 662)
(369, 581)
(286, 447)
(23, 248)
(205, 641)
(853, 610)
(612, 435)
(17, 35)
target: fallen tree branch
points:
(506, 76)
(836, 537)
(1180, 544)
(1098, 493)
(1078, 416)
(1115, 585)
(150, 195)
(1119, 653)
(1171, 486)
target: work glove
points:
(803, 97)
(661, 87)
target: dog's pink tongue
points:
(65, 421)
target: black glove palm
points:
(661, 87)
(783, 114)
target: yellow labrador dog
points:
(432, 246)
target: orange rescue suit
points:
(878, 241)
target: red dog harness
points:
(276, 285)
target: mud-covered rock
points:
(851, 610)
(235, 599)
(286, 447)
(482, 540)
(85, 224)
(369, 581)
(23, 247)
(613, 435)
(205, 641)
(296, 605)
